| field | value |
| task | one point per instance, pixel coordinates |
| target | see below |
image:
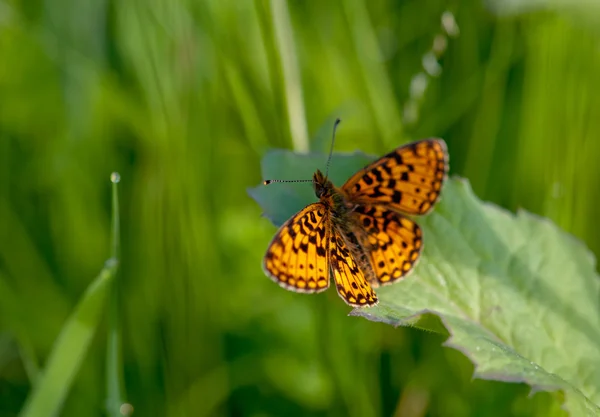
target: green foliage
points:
(183, 98)
(518, 295)
(69, 350)
(72, 344)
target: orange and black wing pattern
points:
(392, 241)
(298, 256)
(408, 179)
(350, 273)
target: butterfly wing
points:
(392, 241)
(297, 258)
(350, 279)
(408, 179)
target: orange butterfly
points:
(357, 232)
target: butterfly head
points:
(323, 187)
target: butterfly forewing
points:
(392, 241)
(297, 258)
(408, 179)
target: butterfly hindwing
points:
(350, 272)
(392, 241)
(408, 179)
(297, 258)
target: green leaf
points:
(280, 201)
(518, 296)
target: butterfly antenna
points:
(335, 125)
(337, 122)
(267, 182)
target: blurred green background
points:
(183, 98)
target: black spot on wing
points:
(377, 174)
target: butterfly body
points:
(357, 233)
(332, 198)
(339, 208)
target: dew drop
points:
(115, 177)
(126, 409)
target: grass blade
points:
(73, 342)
